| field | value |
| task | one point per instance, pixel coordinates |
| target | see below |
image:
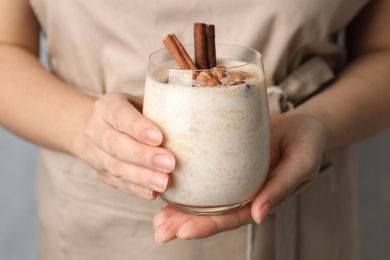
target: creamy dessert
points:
(219, 135)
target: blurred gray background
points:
(17, 196)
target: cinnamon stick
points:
(211, 55)
(183, 51)
(174, 50)
(201, 59)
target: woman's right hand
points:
(124, 148)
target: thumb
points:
(117, 110)
(290, 177)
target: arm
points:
(108, 133)
(355, 107)
(30, 97)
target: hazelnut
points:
(204, 76)
(213, 82)
(236, 76)
(195, 74)
(219, 72)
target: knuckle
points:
(113, 166)
(111, 143)
(89, 131)
(144, 176)
(116, 115)
(141, 154)
(111, 110)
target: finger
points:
(138, 190)
(167, 230)
(205, 226)
(123, 116)
(131, 188)
(171, 223)
(130, 173)
(131, 178)
(299, 189)
(166, 212)
(124, 148)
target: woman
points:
(85, 116)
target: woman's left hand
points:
(297, 144)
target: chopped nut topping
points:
(204, 76)
(213, 82)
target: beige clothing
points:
(102, 46)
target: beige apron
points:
(102, 46)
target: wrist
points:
(77, 144)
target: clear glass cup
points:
(219, 135)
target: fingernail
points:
(148, 192)
(153, 136)
(160, 181)
(164, 161)
(263, 212)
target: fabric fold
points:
(301, 83)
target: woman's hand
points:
(123, 146)
(297, 144)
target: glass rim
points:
(217, 44)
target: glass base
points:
(207, 210)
